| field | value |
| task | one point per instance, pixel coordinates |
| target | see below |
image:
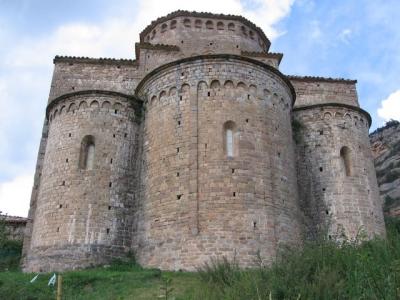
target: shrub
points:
(10, 251)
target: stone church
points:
(198, 148)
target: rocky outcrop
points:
(385, 143)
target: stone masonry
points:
(200, 148)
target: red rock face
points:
(385, 143)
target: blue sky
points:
(351, 39)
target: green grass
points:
(99, 283)
(321, 270)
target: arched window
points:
(198, 23)
(244, 30)
(230, 139)
(187, 23)
(345, 160)
(86, 158)
(172, 25)
(251, 33)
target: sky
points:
(354, 39)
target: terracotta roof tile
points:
(318, 78)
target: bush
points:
(10, 251)
(10, 255)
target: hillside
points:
(385, 143)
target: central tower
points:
(220, 167)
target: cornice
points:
(56, 100)
(347, 106)
(219, 56)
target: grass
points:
(118, 282)
(321, 270)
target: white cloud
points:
(15, 195)
(115, 37)
(345, 35)
(390, 107)
(316, 32)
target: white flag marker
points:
(34, 278)
(52, 280)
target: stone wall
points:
(337, 195)
(317, 90)
(34, 195)
(199, 203)
(14, 226)
(84, 215)
(73, 74)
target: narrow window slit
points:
(345, 156)
(230, 139)
(86, 159)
